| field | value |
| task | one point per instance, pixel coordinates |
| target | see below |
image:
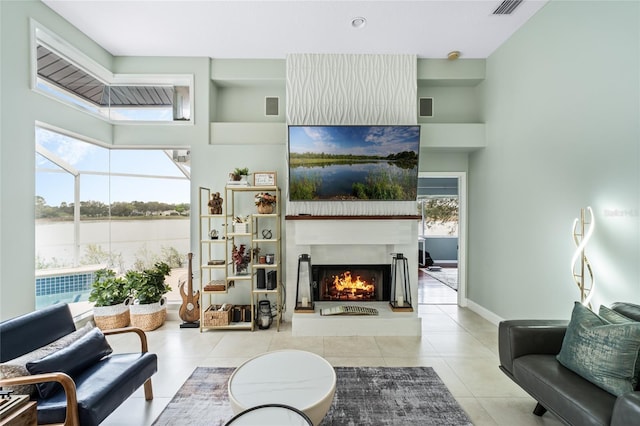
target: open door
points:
(442, 230)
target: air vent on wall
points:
(426, 107)
(271, 106)
(507, 7)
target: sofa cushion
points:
(613, 316)
(71, 360)
(572, 398)
(101, 388)
(601, 352)
(17, 367)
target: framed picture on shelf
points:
(264, 178)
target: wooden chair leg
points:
(148, 390)
(539, 410)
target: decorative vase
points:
(242, 269)
(264, 208)
(114, 316)
(150, 316)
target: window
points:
(98, 207)
(71, 77)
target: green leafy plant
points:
(239, 171)
(148, 285)
(108, 289)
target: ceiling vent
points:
(507, 7)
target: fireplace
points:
(351, 283)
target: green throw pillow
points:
(601, 352)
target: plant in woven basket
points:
(148, 285)
(107, 289)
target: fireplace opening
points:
(351, 283)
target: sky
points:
(86, 157)
(358, 140)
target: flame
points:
(347, 283)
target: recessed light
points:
(453, 55)
(358, 22)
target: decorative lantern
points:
(400, 298)
(264, 318)
(304, 294)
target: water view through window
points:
(98, 207)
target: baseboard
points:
(483, 312)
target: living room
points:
(559, 101)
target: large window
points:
(98, 207)
(62, 72)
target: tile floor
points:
(460, 345)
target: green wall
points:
(561, 103)
(22, 108)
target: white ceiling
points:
(273, 29)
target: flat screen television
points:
(353, 163)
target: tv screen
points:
(353, 163)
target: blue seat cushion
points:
(101, 388)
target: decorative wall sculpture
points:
(580, 266)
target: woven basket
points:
(148, 317)
(110, 317)
(212, 317)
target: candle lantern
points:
(304, 289)
(264, 317)
(400, 286)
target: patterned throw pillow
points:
(606, 354)
(17, 367)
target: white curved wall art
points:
(339, 89)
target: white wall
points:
(562, 113)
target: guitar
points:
(190, 308)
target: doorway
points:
(442, 238)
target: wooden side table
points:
(18, 411)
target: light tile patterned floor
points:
(460, 345)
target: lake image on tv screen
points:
(353, 162)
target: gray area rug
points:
(364, 396)
(447, 276)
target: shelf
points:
(212, 216)
(232, 326)
(215, 292)
(213, 266)
(239, 234)
(264, 240)
(261, 291)
(239, 277)
(264, 266)
(218, 241)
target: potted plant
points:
(239, 172)
(265, 202)
(112, 298)
(149, 310)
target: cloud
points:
(69, 149)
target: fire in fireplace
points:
(352, 283)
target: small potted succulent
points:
(148, 287)
(265, 202)
(238, 173)
(112, 298)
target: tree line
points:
(98, 209)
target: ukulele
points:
(190, 308)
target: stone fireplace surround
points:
(352, 240)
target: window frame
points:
(47, 38)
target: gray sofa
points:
(528, 350)
(82, 382)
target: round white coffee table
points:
(299, 379)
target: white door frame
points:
(462, 228)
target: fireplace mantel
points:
(352, 240)
(311, 217)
